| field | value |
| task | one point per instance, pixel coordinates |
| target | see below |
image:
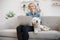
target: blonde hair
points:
(30, 4)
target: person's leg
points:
(19, 32)
(25, 34)
(22, 32)
(26, 29)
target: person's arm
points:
(27, 14)
(40, 18)
(38, 15)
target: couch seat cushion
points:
(45, 34)
(42, 34)
(8, 33)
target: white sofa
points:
(8, 31)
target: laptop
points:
(25, 20)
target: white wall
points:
(5, 7)
(48, 9)
(10, 5)
(14, 5)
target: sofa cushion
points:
(7, 38)
(8, 33)
(45, 34)
(51, 21)
(42, 34)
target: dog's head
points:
(37, 20)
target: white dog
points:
(37, 27)
(36, 24)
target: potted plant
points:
(10, 14)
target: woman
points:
(22, 30)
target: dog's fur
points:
(38, 27)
